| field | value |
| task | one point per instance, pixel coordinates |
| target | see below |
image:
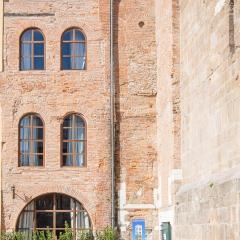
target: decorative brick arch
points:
(31, 194)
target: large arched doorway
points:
(52, 212)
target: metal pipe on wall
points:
(112, 113)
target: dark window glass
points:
(31, 143)
(66, 49)
(68, 35)
(66, 63)
(36, 121)
(44, 220)
(39, 49)
(45, 202)
(32, 45)
(63, 218)
(38, 36)
(79, 36)
(64, 202)
(67, 160)
(27, 36)
(73, 146)
(73, 50)
(53, 211)
(37, 133)
(39, 63)
(38, 160)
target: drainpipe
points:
(112, 115)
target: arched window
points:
(32, 56)
(73, 141)
(73, 47)
(31, 143)
(52, 212)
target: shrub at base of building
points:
(106, 234)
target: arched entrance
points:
(52, 212)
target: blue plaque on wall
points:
(138, 229)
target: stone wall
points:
(207, 200)
(209, 212)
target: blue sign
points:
(138, 229)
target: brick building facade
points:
(176, 144)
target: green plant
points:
(12, 236)
(107, 234)
(42, 235)
(85, 235)
(67, 235)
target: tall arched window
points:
(51, 212)
(31, 141)
(73, 141)
(73, 47)
(32, 56)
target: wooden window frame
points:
(31, 126)
(73, 41)
(54, 211)
(33, 56)
(74, 165)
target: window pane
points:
(25, 133)
(27, 36)
(64, 202)
(79, 49)
(79, 206)
(67, 160)
(68, 121)
(37, 147)
(25, 121)
(66, 63)
(82, 221)
(45, 202)
(80, 63)
(67, 36)
(38, 133)
(38, 63)
(25, 146)
(36, 121)
(26, 50)
(44, 220)
(38, 49)
(26, 217)
(79, 36)
(64, 218)
(79, 147)
(79, 133)
(38, 160)
(79, 121)
(67, 147)
(80, 160)
(67, 134)
(38, 36)
(26, 63)
(25, 160)
(66, 48)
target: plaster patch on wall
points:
(219, 6)
(176, 175)
(166, 216)
(122, 202)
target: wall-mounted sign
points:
(138, 229)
